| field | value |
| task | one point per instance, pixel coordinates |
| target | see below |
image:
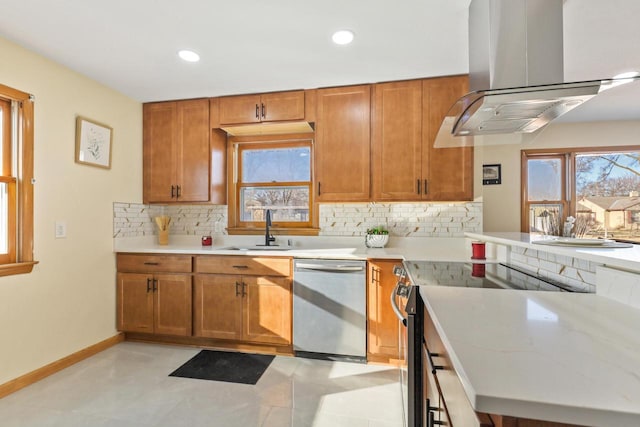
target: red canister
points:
(207, 240)
(477, 250)
(477, 270)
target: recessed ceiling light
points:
(342, 37)
(189, 56)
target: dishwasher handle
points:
(332, 268)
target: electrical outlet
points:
(61, 229)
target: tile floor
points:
(128, 385)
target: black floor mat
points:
(225, 366)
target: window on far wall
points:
(16, 187)
(598, 187)
(275, 176)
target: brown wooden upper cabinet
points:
(406, 119)
(176, 152)
(342, 150)
(268, 107)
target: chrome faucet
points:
(268, 238)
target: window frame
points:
(569, 182)
(21, 259)
(236, 225)
(566, 193)
(8, 178)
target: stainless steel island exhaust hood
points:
(516, 72)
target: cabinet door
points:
(282, 106)
(193, 155)
(159, 134)
(448, 171)
(218, 306)
(342, 164)
(172, 304)
(135, 302)
(383, 325)
(267, 310)
(239, 109)
(396, 141)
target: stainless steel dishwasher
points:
(329, 309)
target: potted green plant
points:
(376, 237)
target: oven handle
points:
(394, 306)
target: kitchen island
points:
(554, 356)
(572, 358)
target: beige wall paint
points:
(68, 302)
(501, 210)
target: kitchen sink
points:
(256, 248)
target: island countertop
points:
(572, 358)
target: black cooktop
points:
(480, 275)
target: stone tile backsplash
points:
(336, 219)
(576, 272)
(135, 219)
(401, 219)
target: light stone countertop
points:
(626, 258)
(571, 358)
(414, 248)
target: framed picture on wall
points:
(93, 143)
(491, 174)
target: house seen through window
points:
(596, 191)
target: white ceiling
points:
(257, 46)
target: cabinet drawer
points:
(454, 399)
(244, 265)
(154, 263)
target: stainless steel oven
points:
(404, 302)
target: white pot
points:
(376, 240)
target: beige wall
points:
(68, 302)
(501, 210)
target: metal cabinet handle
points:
(237, 292)
(155, 285)
(433, 366)
(148, 285)
(264, 111)
(426, 188)
(178, 191)
(431, 421)
(257, 112)
(151, 263)
(418, 181)
(241, 267)
(172, 191)
(319, 189)
(244, 287)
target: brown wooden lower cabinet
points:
(154, 303)
(243, 308)
(254, 305)
(447, 401)
(383, 341)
